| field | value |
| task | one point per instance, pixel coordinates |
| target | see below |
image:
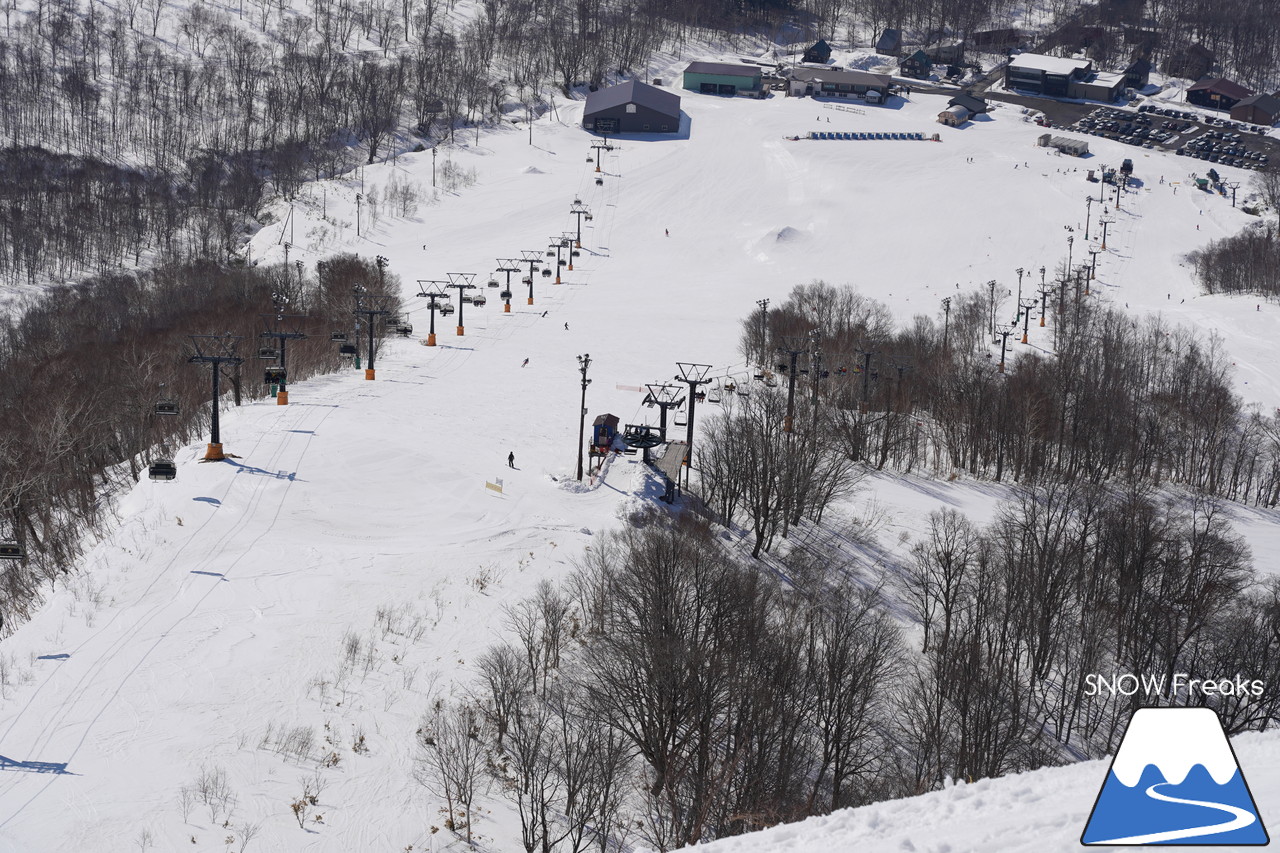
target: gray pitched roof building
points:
(632, 107)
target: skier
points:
(526, 363)
(511, 459)
(666, 231)
(566, 327)
(544, 313)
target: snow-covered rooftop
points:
(1048, 64)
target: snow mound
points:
(527, 170)
(787, 234)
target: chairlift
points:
(268, 354)
(587, 217)
(446, 309)
(404, 330)
(682, 417)
(467, 297)
(590, 159)
(505, 294)
(493, 282)
(163, 470)
(11, 551)
(527, 280)
(599, 182)
(561, 262)
(546, 273)
(769, 381)
(551, 253)
(479, 301)
(338, 337)
(167, 407)
(713, 395)
(274, 376)
(347, 349)
(576, 253)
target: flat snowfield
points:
(258, 616)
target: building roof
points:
(633, 91)
(1222, 86)
(890, 37)
(820, 46)
(960, 111)
(1049, 64)
(832, 75)
(724, 69)
(919, 56)
(972, 103)
(606, 420)
(1267, 103)
(1141, 65)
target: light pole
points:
(359, 198)
(946, 321)
(1102, 182)
(1088, 215)
(435, 296)
(692, 375)
(461, 282)
(1020, 271)
(1070, 242)
(991, 303)
(764, 326)
(579, 210)
(215, 350)
(584, 362)
(532, 257)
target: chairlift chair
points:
(338, 337)
(446, 309)
(347, 349)
(587, 217)
(599, 182)
(268, 353)
(493, 282)
(11, 551)
(551, 253)
(163, 470)
(526, 280)
(546, 273)
(479, 301)
(274, 376)
(505, 294)
(167, 407)
(561, 262)
(404, 330)
(682, 417)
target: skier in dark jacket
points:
(511, 459)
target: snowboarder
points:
(511, 459)
(526, 363)
(666, 231)
(566, 327)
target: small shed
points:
(604, 429)
(1217, 93)
(1257, 109)
(722, 78)
(917, 65)
(819, 52)
(632, 107)
(1065, 144)
(953, 116)
(890, 42)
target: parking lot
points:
(1213, 139)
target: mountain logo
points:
(1175, 780)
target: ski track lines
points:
(1240, 819)
(65, 729)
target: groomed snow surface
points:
(350, 565)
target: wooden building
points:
(1257, 109)
(1217, 93)
(819, 52)
(890, 42)
(831, 83)
(917, 65)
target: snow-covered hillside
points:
(1040, 812)
(265, 615)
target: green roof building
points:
(721, 78)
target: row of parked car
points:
(1227, 152)
(1128, 127)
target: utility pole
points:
(369, 314)
(692, 375)
(1026, 316)
(581, 211)
(435, 296)
(946, 322)
(584, 362)
(532, 257)
(1004, 332)
(461, 282)
(792, 347)
(215, 350)
(508, 266)
(284, 328)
